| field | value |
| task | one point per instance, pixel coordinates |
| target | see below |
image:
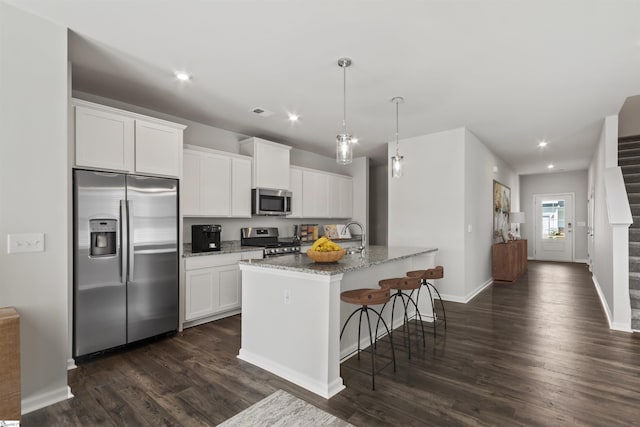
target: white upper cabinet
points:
(270, 163)
(319, 194)
(158, 149)
(215, 183)
(295, 182)
(104, 140)
(190, 185)
(240, 187)
(340, 196)
(315, 186)
(111, 139)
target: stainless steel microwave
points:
(267, 201)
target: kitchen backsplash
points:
(231, 226)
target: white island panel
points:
(292, 313)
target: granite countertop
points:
(226, 247)
(374, 255)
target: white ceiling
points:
(512, 71)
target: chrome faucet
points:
(363, 239)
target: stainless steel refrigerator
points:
(125, 259)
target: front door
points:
(553, 227)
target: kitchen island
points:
(292, 313)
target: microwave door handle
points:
(124, 241)
(130, 237)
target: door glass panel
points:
(553, 219)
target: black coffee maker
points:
(205, 238)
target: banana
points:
(323, 244)
(318, 242)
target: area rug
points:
(282, 409)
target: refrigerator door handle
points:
(130, 237)
(124, 241)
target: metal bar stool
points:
(426, 276)
(403, 284)
(365, 298)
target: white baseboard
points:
(603, 301)
(468, 297)
(71, 364)
(581, 261)
(41, 400)
(191, 323)
(620, 327)
(325, 390)
(616, 326)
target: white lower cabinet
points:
(213, 288)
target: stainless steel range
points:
(267, 237)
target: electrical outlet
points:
(287, 296)
(31, 242)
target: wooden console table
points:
(509, 260)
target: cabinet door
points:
(158, 149)
(104, 140)
(229, 288)
(295, 181)
(215, 185)
(200, 293)
(268, 172)
(240, 187)
(315, 186)
(190, 183)
(344, 193)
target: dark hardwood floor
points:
(535, 352)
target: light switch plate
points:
(28, 242)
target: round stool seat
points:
(429, 274)
(401, 284)
(426, 276)
(365, 296)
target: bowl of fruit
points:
(325, 250)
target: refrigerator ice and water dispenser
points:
(103, 237)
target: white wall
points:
(447, 186)
(563, 182)
(601, 243)
(378, 204)
(479, 175)
(426, 205)
(628, 122)
(34, 196)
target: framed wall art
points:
(501, 209)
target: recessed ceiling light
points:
(542, 144)
(182, 76)
(354, 140)
(293, 117)
(550, 166)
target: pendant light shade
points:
(397, 160)
(344, 142)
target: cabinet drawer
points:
(205, 261)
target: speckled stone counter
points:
(227, 247)
(374, 255)
(292, 313)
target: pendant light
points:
(396, 161)
(344, 142)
